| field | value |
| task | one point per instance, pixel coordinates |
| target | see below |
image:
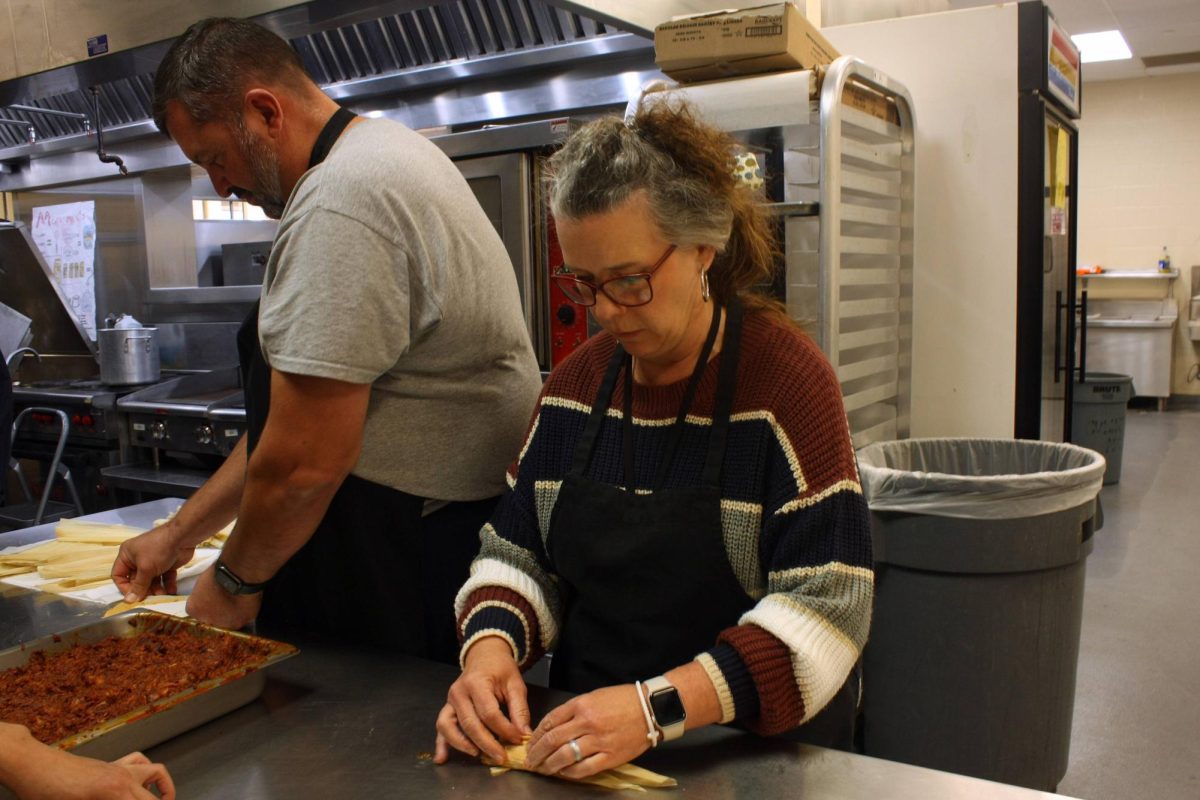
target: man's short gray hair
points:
(207, 68)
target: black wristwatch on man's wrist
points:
(232, 584)
(666, 707)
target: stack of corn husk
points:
(80, 556)
(217, 540)
(626, 776)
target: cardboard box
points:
(871, 102)
(728, 43)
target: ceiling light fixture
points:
(1102, 46)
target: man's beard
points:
(263, 163)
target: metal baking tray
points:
(151, 724)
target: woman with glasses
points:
(684, 526)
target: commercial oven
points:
(505, 166)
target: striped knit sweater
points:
(796, 526)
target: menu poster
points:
(66, 235)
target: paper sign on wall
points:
(66, 236)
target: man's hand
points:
(211, 604)
(149, 564)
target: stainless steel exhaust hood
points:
(357, 51)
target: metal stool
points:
(30, 512)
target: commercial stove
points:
(60, 373)
(90, 405)
(93, 439)
(180, 430)
(98, 437)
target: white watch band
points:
(675, 729)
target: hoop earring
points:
(704, 285)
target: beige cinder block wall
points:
(1139, 181)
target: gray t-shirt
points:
(386, 271)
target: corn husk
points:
(75, 584)
(625, 777)
(121, 606)
(98, 564)
(217, 540)
(47, 553)
(73, 530)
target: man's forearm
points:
(281, 509)
(311, 441)
(215, 504)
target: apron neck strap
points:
(329, 134)
(689, 395)
(587, 440)
(620, 360)
(726, 387)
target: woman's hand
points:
(473, 716)
(607, 726)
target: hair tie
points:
(746, 172)
(635, 105)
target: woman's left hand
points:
(607, 726)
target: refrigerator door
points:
(1057, 270)
(1046, 272)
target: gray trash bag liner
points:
(979, 478)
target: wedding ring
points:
(575, 749)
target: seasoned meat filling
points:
(56, 695)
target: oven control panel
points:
(87, 425)
(184, 433)
(568, 321)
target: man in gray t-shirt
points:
(389, 376)
(386, 271)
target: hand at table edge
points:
(473, 719)
(35, 771)
(211, 604)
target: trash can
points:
(1098, 417)
(979, 561)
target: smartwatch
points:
(232, 584)
(666, 707)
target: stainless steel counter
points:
(26, 615)
(341, 723)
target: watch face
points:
(226, 580)
(668, 708)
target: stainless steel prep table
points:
(336, 723)
(26, 615)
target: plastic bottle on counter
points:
(1164, 263)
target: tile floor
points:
(1136, 731)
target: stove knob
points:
(204, 434)
(158, 430)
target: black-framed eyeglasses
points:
(626, 290)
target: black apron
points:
(375, 572)
(646, 578)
